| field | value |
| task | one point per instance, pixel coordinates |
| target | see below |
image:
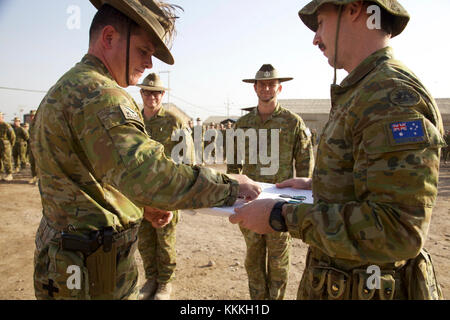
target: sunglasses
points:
(148, 93)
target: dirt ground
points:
(210, 251)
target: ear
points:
(355, 10)
(108, 36)
(280, 88)
(162, 94)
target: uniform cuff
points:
(234, 189)
(295, 214)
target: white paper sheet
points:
(269, 191)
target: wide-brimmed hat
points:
(267, 72)
(146, 14)
(401, 17)
(16, 119)
(152, 82)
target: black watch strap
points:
(276, 219)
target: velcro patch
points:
(130, 114)
(407, 131)
(404, 97)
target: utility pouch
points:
(317, 278)
(385, 285)
(337, 284)
(360, 290)
(420, 278)
(102, 270)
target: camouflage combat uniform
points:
(268, 280)
(20, 147)
(374, 185)
(446, 150)
(7, 140)
(97, 169)
(157, 245)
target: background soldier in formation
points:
(7, 139)
(267, 261)
(33, 179)
(376, 175)
(20, 147)
(98, 168)
(446, 150)
(157, 245)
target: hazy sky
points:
(219, 43)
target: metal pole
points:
(168, 85)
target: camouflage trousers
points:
(6, 156)
(71, 275)
(267, 264)
(32, 162)
(414, 279)
(20, 155)
(157, 249)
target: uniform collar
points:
(275, 112)
(161, 113)
(365, 67)
(96, 64)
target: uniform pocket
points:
(421, 278)
(61, 274)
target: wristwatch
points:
(276, 219)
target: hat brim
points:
(152, 88)
(308, 15)
(280, 79)
(161, 51)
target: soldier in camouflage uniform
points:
(33, 179)
(376, 176)
(267, 261)
(20, 147)
(157, 245)
(7, 140)
(98, 168)
(446, 150)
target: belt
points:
(89, 243)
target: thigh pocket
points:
(67, 275)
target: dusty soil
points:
(210, 250)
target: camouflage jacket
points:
(21, 134)
(294, 146)
(7, 133)
(97, 165)
(376, 176)
(160, 128)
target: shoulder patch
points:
(404, 97)
(130, 114)
(406, 132)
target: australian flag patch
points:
(407, 131)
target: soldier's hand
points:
(248, 189)
(158, 218)
(255, 216)
(296, 183)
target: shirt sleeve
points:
(122, 154)
(303, 152)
